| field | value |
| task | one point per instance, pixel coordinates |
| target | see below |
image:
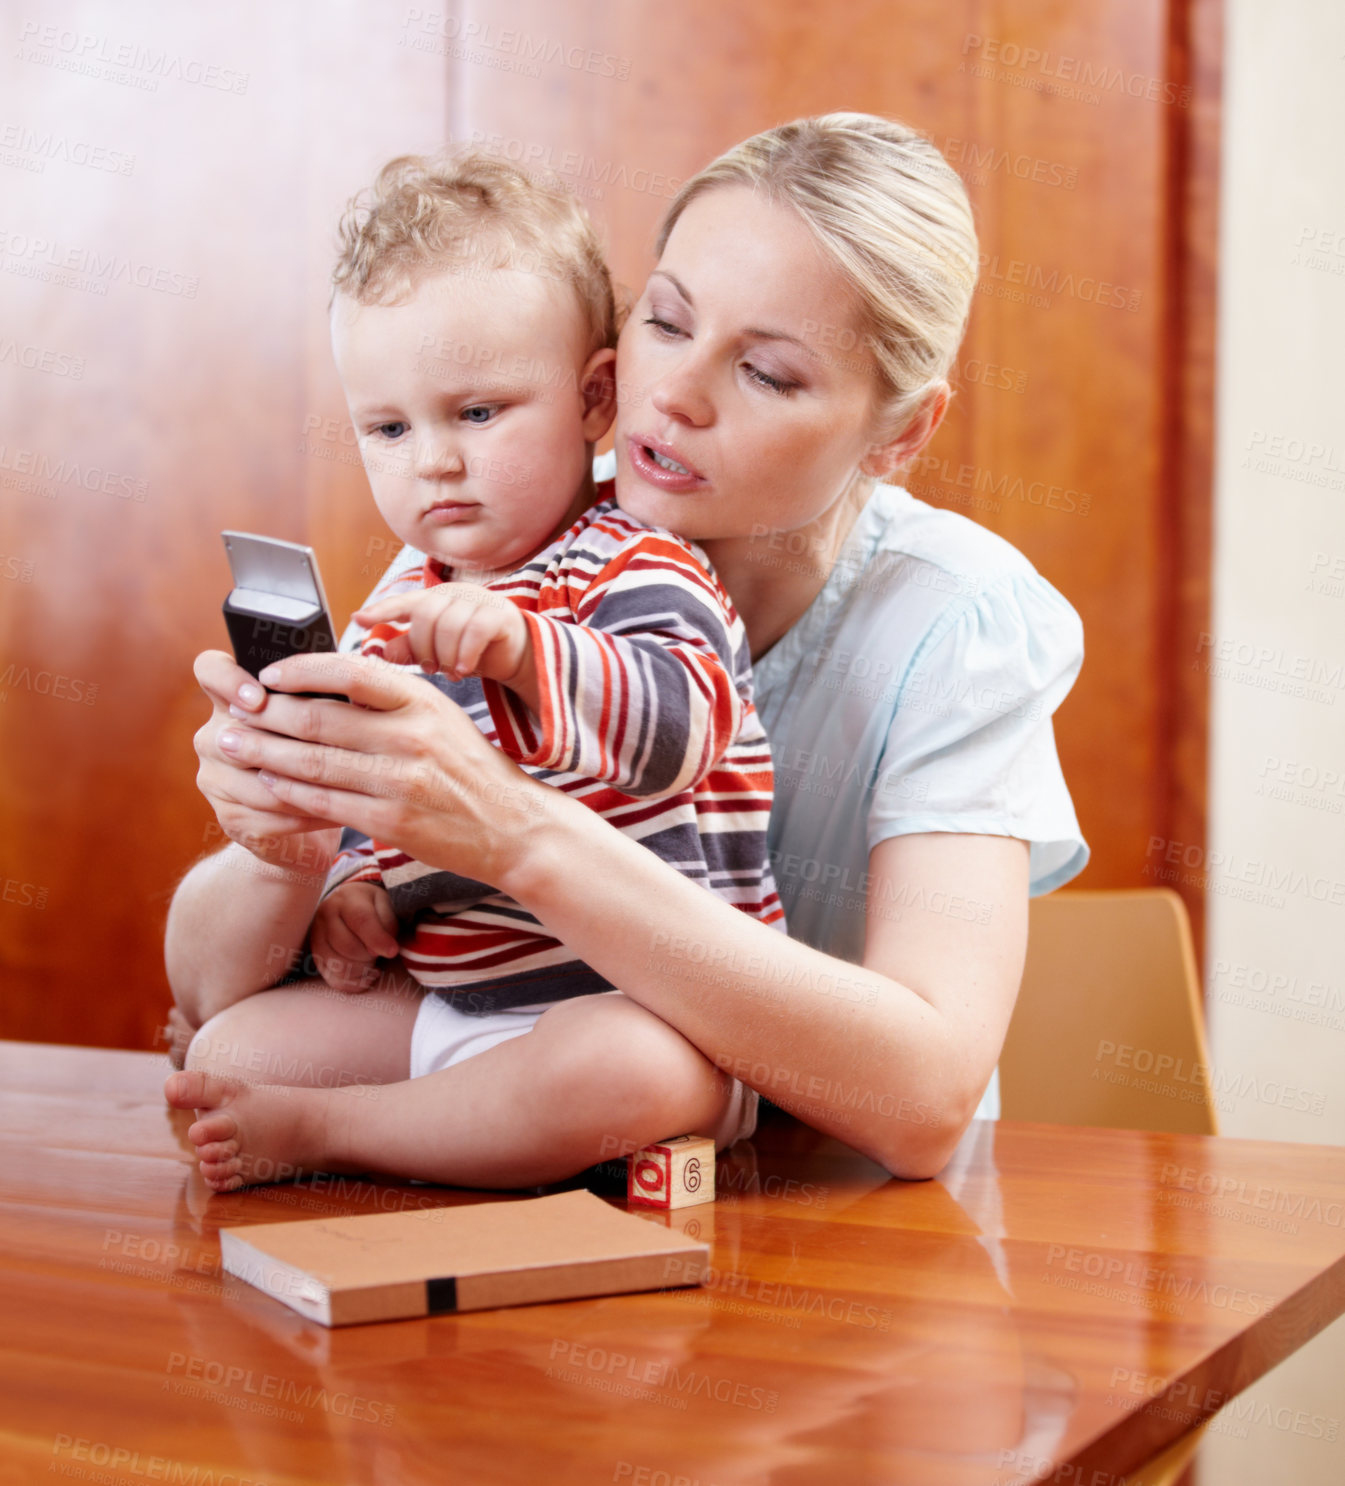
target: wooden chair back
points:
(1109, 1028)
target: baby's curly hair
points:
(427, 213)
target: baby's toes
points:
(193, 1088)
(216, 1152)
(218, 1125)
(221, 1168)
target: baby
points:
(473, 326)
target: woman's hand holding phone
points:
(248, 812)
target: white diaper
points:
(443, 1036)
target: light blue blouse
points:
(915, 694)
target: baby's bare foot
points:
(250, 1133)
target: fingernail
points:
(236, 711)
(250, 695)
(269, 780)
(270, 674)
(230, 741)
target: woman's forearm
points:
(853, 1052)
(235, 925)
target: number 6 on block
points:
(674, 1173)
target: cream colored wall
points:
(1276, 866)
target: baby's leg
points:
(309, 1034)
(595, 1075)
(180, 1029)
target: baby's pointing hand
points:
(460, 629)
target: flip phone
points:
(277, 607)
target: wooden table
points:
(1061, 1300)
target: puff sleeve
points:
(970, 746)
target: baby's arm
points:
(649, 688)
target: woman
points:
(791, 349)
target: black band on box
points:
(441, 1295)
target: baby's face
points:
(468, 404)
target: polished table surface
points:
(1060, 1304)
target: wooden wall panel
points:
(235, 135)
(220, 407)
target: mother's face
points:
(747, 396)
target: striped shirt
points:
(645, 685)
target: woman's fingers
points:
(379, 722)
(225, 681)
(318, 763)
(312, 719)
(372, 817)
(367, 682)
(247, 811)
(396, 714)
(249, 814)
(256, 816)
(231, 788)
(233, 691)
(255, 812)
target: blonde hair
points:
(428, 213)
(892, 214)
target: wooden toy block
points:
(675, 1173)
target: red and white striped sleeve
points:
(644, 684)
(355, 862)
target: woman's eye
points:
(663, 327)
(764, 379)
(482, 413)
